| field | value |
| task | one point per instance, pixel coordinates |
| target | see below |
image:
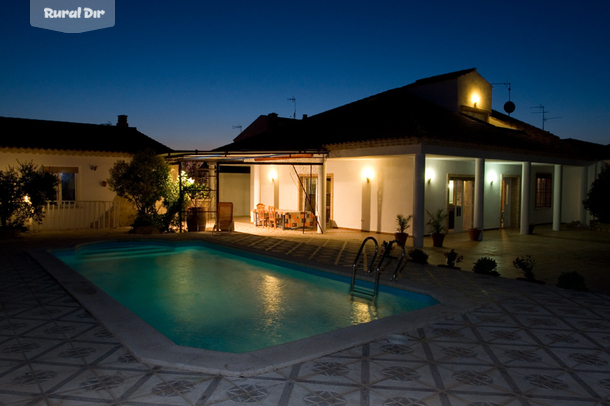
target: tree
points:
(598, 198)
(144, 181)
(24, 192)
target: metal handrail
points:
(370, 267)
(387, 250)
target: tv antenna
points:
(509, 106)
(237, 126)
(543, 112)
(294, 100)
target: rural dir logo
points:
(72, 16)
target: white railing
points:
(80, 214)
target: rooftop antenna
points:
(237, 126)
(294, 100)
(543, 112)
(509, 106)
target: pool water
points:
(218, 299)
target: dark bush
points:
(418, 256)
(486, 266)
(572, 280)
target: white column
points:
(321, 193)
(479, 190)
(526, 185)
(419, 187)
(557, 181)
(256, 192)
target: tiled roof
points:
(60, 135)
(397, 116)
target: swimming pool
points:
(148, 345)
(224, 300)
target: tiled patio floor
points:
(527, 344)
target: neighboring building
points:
(81, 155)
(436, 143)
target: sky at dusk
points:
(187, 72)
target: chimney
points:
(122, 121)
(304, 116)
(272, 122)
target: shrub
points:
(599, 194)
(418, 256)
(572, 280)
(24, 192)
(453, 258)
(526, 264)
(402, 223)
(486, 266)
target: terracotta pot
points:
(402, 238)
(437, 239)
(474, 234)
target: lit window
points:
(543, 190)
(66, 188)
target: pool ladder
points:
(372, 294)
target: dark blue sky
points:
(187, 72)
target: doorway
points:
(460, 203)
(308, 194)
(509, 207)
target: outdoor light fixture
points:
(491, 177)
(475, 100)
(272, 175)
(429, 175)
(367, 174)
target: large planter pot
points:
(195, 219)
(437, 239)
(531, 228)
(402, 238)
(474, 234)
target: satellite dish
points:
(509, 107)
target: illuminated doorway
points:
(460, 203)
(509, 207)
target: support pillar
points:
(321, 194)
(557, 182)
(479, 191)
(256, 187)
(526, 186)
(419, 187)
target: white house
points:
(436, 143)
(81, 155)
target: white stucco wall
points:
(88, 181)
(235, 188)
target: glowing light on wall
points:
(429, 175)
(367, 174)
(475, 98)
(492, 177)
(272, 176)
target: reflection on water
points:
(362, 312)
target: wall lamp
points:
(492, 177)
(272, 176)
(367, 174)
(429, 175)
(475, 99)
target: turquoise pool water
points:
(223, 300)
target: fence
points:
(80, 214)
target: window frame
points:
(543, 194)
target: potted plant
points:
(437, 227)
(572, 280)
(402, 224)
(452, 258)
(526, 264)
(474, 234)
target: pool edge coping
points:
(152, 347)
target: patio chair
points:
(261, 218)
(272, 217)
(224, 218)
